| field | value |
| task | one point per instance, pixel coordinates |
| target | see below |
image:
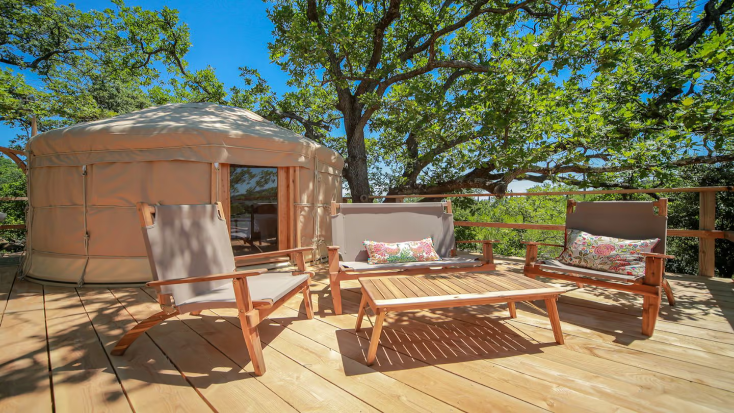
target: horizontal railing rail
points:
(702, 189)
(693, 233)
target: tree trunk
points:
(357, 178)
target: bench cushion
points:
(453, 262)
(557, 266)
(606, 254)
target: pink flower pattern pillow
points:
(607, 254)
(409, 251)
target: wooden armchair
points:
(194, 269)
(628, 220)
(352, 224)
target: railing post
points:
(706, 246)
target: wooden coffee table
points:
(423, 292)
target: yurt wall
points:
(84, 227)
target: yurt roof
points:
(202, 132)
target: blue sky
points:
(225, 34)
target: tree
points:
(475, 94)
(12, 184)
(684, 213)
(93, 65)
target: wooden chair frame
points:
(651, 286)
(250, 312)
(339, 273)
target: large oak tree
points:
(448, 95)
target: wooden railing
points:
(706, 233)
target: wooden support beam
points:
(706, 246)
(13, 226)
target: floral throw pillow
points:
(617, 255)
(409, 251)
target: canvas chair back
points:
(188, 241)
(620, 219)
(394, 222)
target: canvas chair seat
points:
(452, 262)
(271, 287)
(555, 265)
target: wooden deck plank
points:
(355, 377)
(641, 369)
(713, 397)
(150, 380)
(700, 314)
(7, 278)
(455, 390)
(25, 384)
(77, 356)
(464, 358)
(225, 385)
(538, 392)
(608, 334)
(681, 368)
(303, 389)
(639, 375)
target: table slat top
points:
(459, 286)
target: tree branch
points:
(476, 11)
(712, 15)
(378, 42)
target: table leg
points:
(550, 306)
(513, 311)
(375, 340)
(360, 314)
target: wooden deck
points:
(55, 345)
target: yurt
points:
(84, 182)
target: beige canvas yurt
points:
(84, 182)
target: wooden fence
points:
(706, 233)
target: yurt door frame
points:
(287, 196)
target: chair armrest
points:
(333, 253)
(206, 278)
(541, 243)
(479, 241)
(656, 255)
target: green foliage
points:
(684, 213)
(514, 209)
(12, 184)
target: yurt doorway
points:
(253, 209)
(259, 204)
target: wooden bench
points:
(424, 292)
